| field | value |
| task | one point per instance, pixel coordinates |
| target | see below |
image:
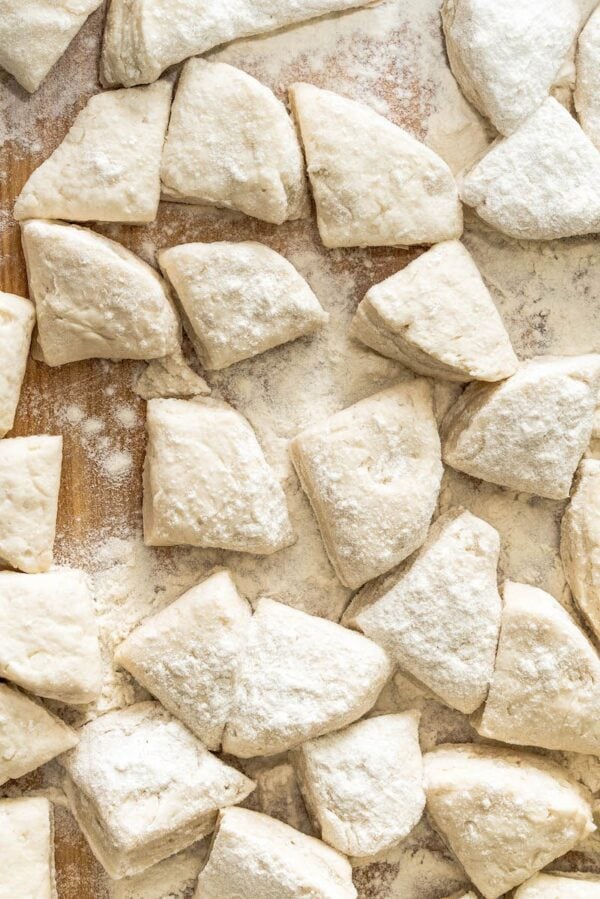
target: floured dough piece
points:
(372, 474)
(300, 677)
(207, 482)
(231, 143)
(580, 542)
(373, 183)
(504, 814)
(34, 35)
(142, 787)
(542, 182)
(437, 317)
(240, 299)
(49, 633)
(188, 655)
(29, 484)
(29, 735)
(587, 90)
(363, 786)
(530, 431)
(17, 318)
(560, 886)
(170, 377)
(94, 298)
(107, 168)
(439, 617)
(259, 857)
(27, 849)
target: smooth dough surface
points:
(300, 677)
(17, 318)
(372, 474)
(587, 89)
(504, 814)
(27, 849)
(142, 787)
(373, 183)
(207, 482)
(530, 431)
(436, 316)
(580, 542)
(257, 856)
(231, 143)
(560, 886)
(94, 298)
(107, 168)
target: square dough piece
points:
(207, 482)
(27, 849)
(142, 787)
(587, 89)
(560, 886)
(29, 485)
(372, 474)
(17, 318)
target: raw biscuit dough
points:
(530, 431)
(560, 886)
(372, 474)
(436, 316)
(34, 34)
(94, 298)
(504, 814)
(542, 182)
(438, 618)
(373, 183)
(188, 655)
(49, 633)
(363, 786)
(231, 143)
(207, 482)
(27, 849)
(29, 735)
(300, 677)
(170, 377)
(257, 856)
(29, 484)
(239, 299)
(17, 318)
(587, 89)
(142, 787)
(107, 168)
(580, 542)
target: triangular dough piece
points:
(17, 318)
(504, 814)
(542, 182)
(373, 183)
(587, 90)
(231, 143)
(439, 618)
(560, 886)
(170, 377)
(34, 35)
(546, 686)
(27, 848)
(107, 168)
(301, 677)
(437, 317)
(95, 299)
(580, 542)
(530, 431)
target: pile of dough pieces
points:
(230, 681)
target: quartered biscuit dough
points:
(17, 318)
(560, 886)
(27, 849)
(587, 90)
(580, 542)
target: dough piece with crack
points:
(560, 886)
(27, 848)
(17, 318)
(580, 542)
(587, 89)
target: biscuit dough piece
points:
(560, 886)
(587, 89)
(17, 318)
(188, 654)
(49, 641)
(94, 298)
(439, 617)
(171, 377)
(231, 143)
(300, 677)
(107, 168)
(373, 183)
(240, 299)
(372, 474)
(363, 786)
(27, 849)
(29, 735)
(580, 542)
(257, 856)
(436, 316)
(542, 182)
(35, 34)
(530, 431)
(207, 482)
(504, 814)
(29, 484)
(142, 787)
